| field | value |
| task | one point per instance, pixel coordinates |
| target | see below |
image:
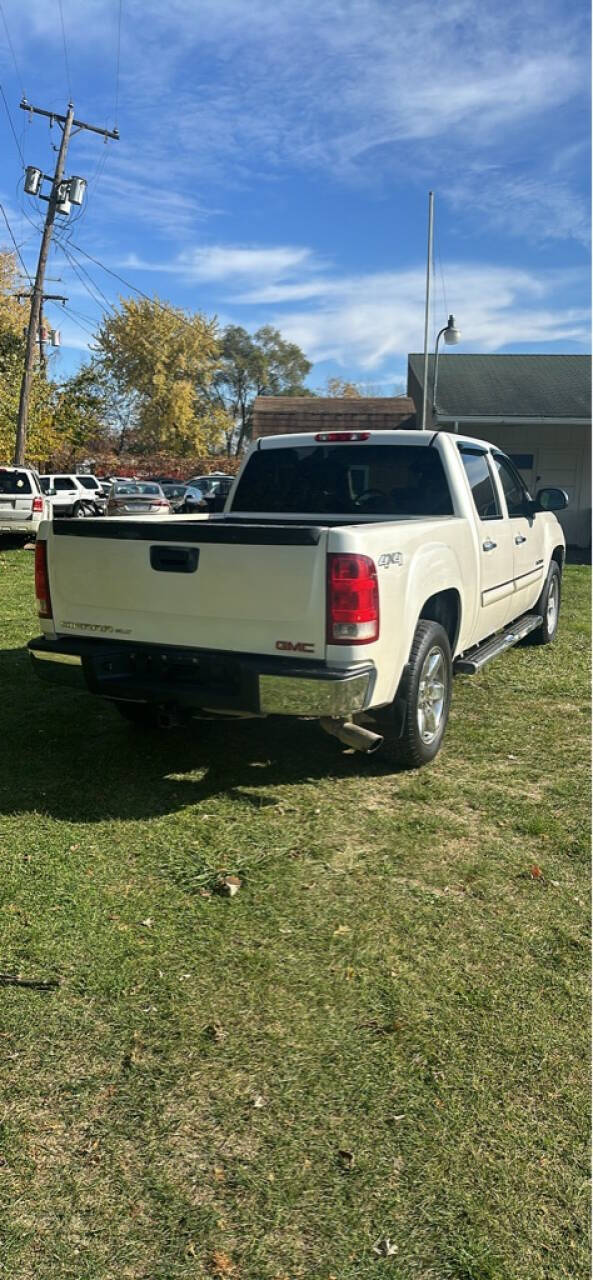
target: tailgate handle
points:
(174, 559)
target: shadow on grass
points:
(73, 757)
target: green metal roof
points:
(492, 386)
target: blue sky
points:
(275, 161)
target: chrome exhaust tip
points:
(352, 735)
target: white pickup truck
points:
(349, 576)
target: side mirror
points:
(51, 493)
(551, 499)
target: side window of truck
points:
(516, 495)
(475, 462)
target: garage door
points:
(563, 469)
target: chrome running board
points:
(471, 662)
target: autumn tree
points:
(161, 361)
(341, 388)
(13, 321)
(250, 366)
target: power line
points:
(17, 250)
(78, 270)
(79, 320)
(162, 306)
(11, 47)
(65, 49)
(11, 123)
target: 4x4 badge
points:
(390, 557)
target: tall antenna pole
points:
(427, 307)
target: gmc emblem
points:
(295, 646)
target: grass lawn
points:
(383, 1035)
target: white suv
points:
(22, 503)
(74, 495)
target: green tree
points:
(260, 365)
(81, 413)
(161, 362)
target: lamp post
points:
(451, 334)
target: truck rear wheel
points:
(426, 698)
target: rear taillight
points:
(37, 504)
(352, 599)
(42, 580)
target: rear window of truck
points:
(360, 479)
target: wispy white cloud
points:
(221, 262)
(542, 208)
(361, 321)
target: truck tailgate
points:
(227, 586)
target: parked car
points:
(194, 499)
(74, 495)
(351, 576)
(215, 488)
(137, 497)
(175, 494)
(22, 503)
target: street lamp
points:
(452, 336)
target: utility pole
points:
(58, 201)
(45, 297)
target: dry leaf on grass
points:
(228, 886)
(221, 1265)
(385, 1249)
(215, 1031)
(259, 1101)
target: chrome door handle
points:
(489, 545)
(519, 539)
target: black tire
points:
(414, 748)
(548, 607)
(143, 715)
(83, 510)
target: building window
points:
(522, 461)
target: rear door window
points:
(477, 470)
(15, 482)
(63, 484)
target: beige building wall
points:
(560, 454)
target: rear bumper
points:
(28, 525)
(203, 679)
